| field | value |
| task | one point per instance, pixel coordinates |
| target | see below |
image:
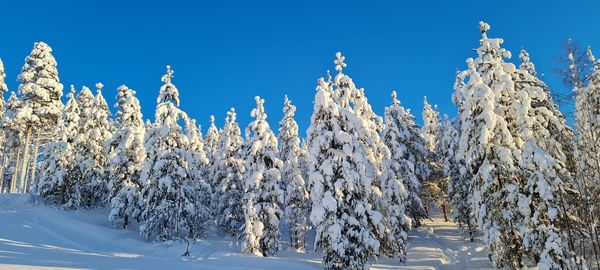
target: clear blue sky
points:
(226, 52)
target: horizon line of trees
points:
(507, 166)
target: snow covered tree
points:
(198, 164)
(340, 186)
(294, 185)
(397, 175)
(54, 186)
(488, 149)
(126, 155)
(14, 136)
(262, 185)
(3, 89)
(402, 137)
(460, 187)
(547, 163)
(57, 184)
(431, 125)
(303, 162)
(3, 126)
(40, 108)
(198, 160)
(347, 95)
(71, 116)
(587, 133)
(505, 141)
(435, 186)
(90, 159)
(228, 173)
(211, 144)
(173, 199)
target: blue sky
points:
(226, 52)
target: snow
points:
(34, 236)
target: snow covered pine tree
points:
(404, 140)
(228, 175)
(126, 155)
(89, 169)
(296, 195)
(56, 185)
(211, 145)
(587, 117)
(513, 141)
(170, 194)
(435, 185)
(262, 185)
(397, 175)
(340, 186)
(39, 110)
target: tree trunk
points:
(25, 159)
(33, 162)
(444, 211)
(15, 169)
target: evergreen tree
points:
(516, 146)
(3, 89)
(340, 186)
(57, 184)
(460, 186)
(90, 160)
(403, 138)
(587, 132)
(296, 195)
(198, 165)
(228, 172)
(3, 126)
(431, 125)
(435, 186)
(262, 185)
(400, 130)
(14, 128)
(125, 159)
(211, 144)
(199, 162)
(347, 95)
(397, 176)
(40, 107)
(71, 117)
(547, 162)
(173, 206)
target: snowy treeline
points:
(507, 166)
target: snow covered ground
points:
(39, 237)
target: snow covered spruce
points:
(173, 201)
(515, 144)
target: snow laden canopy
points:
(3, 89)
(262, 185)
(399, 184)
(587, 132)
(399, 132)
(340, 186)
(126, 156)
(228, 174)
(39, 109)
(173, 206)
(514, 172)
(293, 183)
(211, 144)
(90, 162)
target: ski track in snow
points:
(39, 237)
